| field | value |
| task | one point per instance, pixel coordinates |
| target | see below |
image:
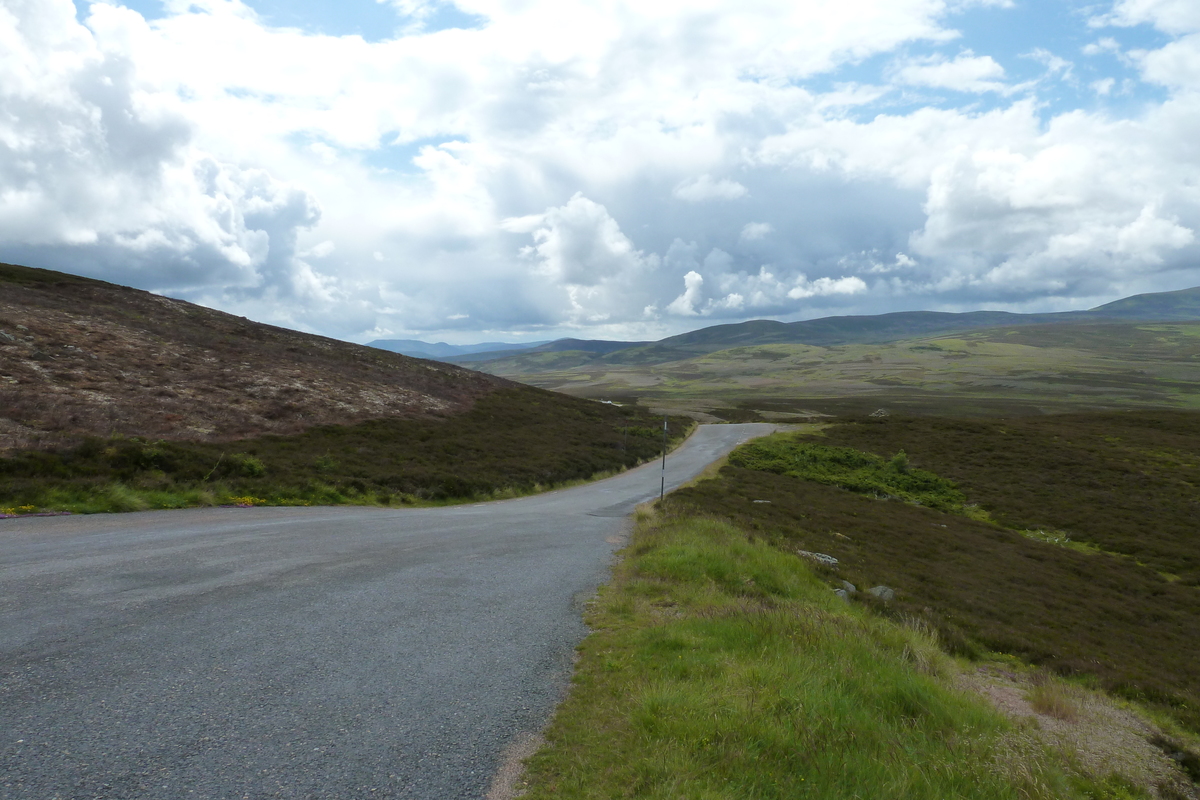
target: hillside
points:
(117, 400)
(82, 357)
(1010, 369)
(1183, 305)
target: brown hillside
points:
(81, 357)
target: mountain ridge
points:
(1179, 305)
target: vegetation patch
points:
(513, 441)
(720, 666)
(1131, 624)
(847, 468)
(1127, 482)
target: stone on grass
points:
(819, 557)
(883, 593)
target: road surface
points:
(300, 652)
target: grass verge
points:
(720, 667)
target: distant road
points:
(300, 652)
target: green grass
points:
(512, 442)
(1107, 482)
(721, 667)
(847, 468)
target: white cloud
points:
(568, 165)
(753, 231)
(1175, 65)
(1171, 16)
(578, 244)
(1015, 208)
(966, 73)
(321, 250)
(685, 304)
(805, 288)
(1100, 46)
(704, 188)
(1055, 65)
(94, 164)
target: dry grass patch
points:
(1104, 738)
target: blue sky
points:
(526, 169)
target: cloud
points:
(1170, 16)
(1100, 46)
(753, 231)
(685, 304)
(966, 73)
(1055, 65)
(566, 166)
(578, 244)
(1015, 209)
(98, 171)
(705, 188)
(805, 288)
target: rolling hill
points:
(825, 332)
(84, 357)
(117, 399)
(1060, 366)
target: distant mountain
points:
(845, 330)
(597, 347)
(1181, 305)
(440, 351)
(824, 332)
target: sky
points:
(521, 170)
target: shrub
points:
(246, 465)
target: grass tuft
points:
(1054, 699)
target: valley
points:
(1026, 492)
(1024, 370)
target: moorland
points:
(1029, 369)
(1032, 628)
(114, 399)
(1027, 493)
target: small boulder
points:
(849, 587)
(842, 593)
(819, 557)
(883, 593)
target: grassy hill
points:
(1182, 305)
(1018, 369)
(118, 399)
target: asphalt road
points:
(300, 652)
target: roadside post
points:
(662, 489)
